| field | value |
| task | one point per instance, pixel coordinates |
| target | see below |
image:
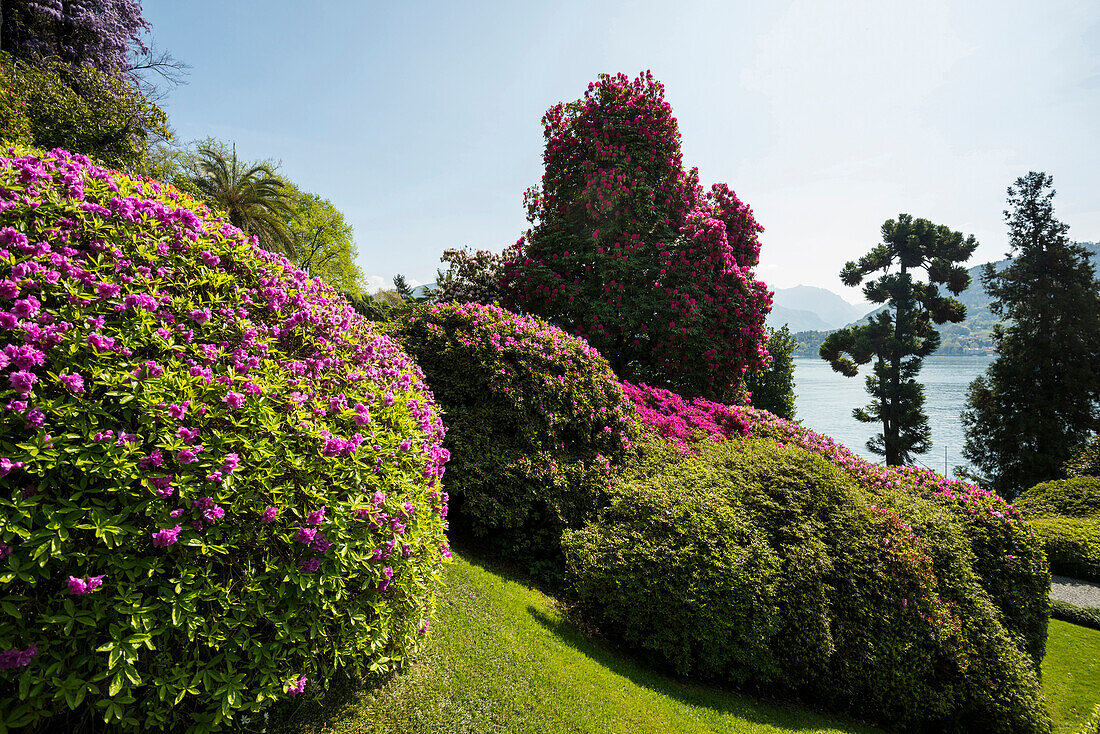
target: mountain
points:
(808, 308)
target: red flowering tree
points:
(627, 250)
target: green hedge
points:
(1092, 726)
(1084, 616)
(1072, 544)
(218, 483)
(766, 565)
(1075, 497)
(536, 420)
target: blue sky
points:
(421, 120)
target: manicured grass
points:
(1071, 674)
(501, 658)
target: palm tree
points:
(254, 198)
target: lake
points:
(824, 400)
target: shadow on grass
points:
(755, 707)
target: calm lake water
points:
(824, 400)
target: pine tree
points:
(901, 336)
(1040, 399)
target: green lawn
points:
(500, 658)
(1071, 674)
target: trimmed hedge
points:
(218, 482)
(759, 564)
(1072, 544)
(536, 420)
(1075, 497)
(1084, 616)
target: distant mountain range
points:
(811, 313)
(809, 308)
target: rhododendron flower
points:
(166, 537)
(35, 418)
(295, 688)
(309, 565)
(179, 410)
(232, 461)
(74, 382)
(316, 517)
(200, 315)
(234, 399)
(321, 544)
(305, 536)
(22, 381)
(5, 551)
(270, 514)
(189, 455)
(17, 658)
(85, 585)
(6, 465)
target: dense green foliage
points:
(899, 338)
(15, 125)
(1084, 616)
(85, 110)
(535, 418)
(1072, 544)
(1040, 399)
(750, 562)
(772, 388)
(628, 251)
(237, 477)
(1075, 497)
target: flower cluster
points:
(627, 249)
(176, 406)
(679, 420)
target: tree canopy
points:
(1040, 399)
(900, 337)
(627, 249)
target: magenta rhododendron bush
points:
(218, 484)
(536, 424)
(628, 250)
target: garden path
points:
(1076, 592)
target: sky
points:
(421, 120)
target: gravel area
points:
(1077, 593)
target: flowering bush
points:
(1009, 562)
(628, 251)
(763, 564)
(218, 483)
(535, 418)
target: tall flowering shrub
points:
(536, 422)
(218, 483)
(627, 250)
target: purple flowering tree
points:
(104, 34)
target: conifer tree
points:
(1040, 399)
(899, 337)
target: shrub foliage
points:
(1074, 497)
(536, 419)
(217, 480)
(761, 564)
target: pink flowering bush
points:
(627, 250)
(218, 483)
(536, 421)
(763, 563)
